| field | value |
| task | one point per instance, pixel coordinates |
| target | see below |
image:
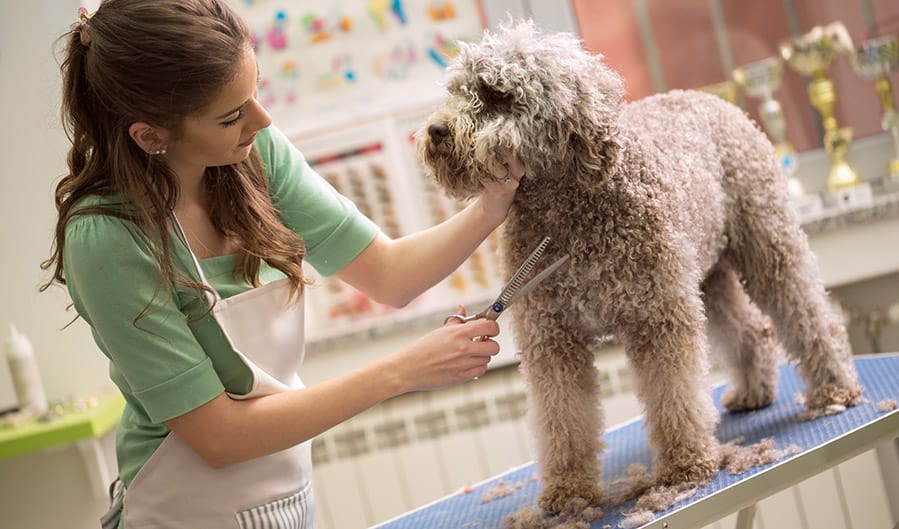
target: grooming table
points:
(824, 442)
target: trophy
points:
(874, 59)
(726, 90)
(760, 79)
(811, 54)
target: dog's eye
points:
(494, 99)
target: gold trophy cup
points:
(726, 90)
(811, 54)
(875, 59)
(760, 80)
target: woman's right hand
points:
(448, 355)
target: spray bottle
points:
(25, 375)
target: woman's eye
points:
(235, 120)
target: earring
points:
(159, 150)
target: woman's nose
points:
(263, 118)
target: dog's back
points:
(706, 156)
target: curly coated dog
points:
(681, 233)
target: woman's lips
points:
(249, 141)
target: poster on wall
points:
(324, 64)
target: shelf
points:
(70, 427)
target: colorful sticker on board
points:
(441, 50)
(266, 96)
(396, 63)
(287, 79)
(281, 87)
(276, 36)
(382, 9)
(341, 73)
(438, 10)
(323, 28)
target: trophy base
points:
(848, 197)
(807, 206)
(841, 177)
(794, 187)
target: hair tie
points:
(81, 27)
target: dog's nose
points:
(437, 132)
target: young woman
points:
(183, 225)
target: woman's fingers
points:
(477, 328)
(514, 167)
(506, 170)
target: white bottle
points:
(25, 376)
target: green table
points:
(82, 427)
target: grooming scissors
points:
(516, 288)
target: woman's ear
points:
(146, 137)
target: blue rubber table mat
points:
(853, 431)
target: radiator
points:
(414, 449)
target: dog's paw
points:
(569, 498)
(745, 399)
(697, 471)
(832, 396)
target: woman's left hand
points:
(505, 175)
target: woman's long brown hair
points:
(159, 62)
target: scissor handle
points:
(484, 314)
(463, 319)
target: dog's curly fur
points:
(676, 217)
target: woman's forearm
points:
(227, 431)
(421, 260)
(395, 272)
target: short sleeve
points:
(117, 287)
(332, 226)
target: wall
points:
(33, 158)
(695, 43)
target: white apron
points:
(176, 489)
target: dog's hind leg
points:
(743, 338)
(780, 273)
(563, 393)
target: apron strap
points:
(110, 520)
(213, 296)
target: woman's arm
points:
(396, 271)
(226, 431)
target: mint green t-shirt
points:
(159, 365)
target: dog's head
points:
(541, 96)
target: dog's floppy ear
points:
(594, 137)
(493, 97)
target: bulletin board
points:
(326, 63)
(350, 81)
(374, 164)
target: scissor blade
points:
(523, 271)
(537, 279)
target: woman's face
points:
(222, 133)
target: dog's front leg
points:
(563, 393)
(670, 362)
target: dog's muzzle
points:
(438, 132)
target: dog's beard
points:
(455, 170)
(457, 178)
